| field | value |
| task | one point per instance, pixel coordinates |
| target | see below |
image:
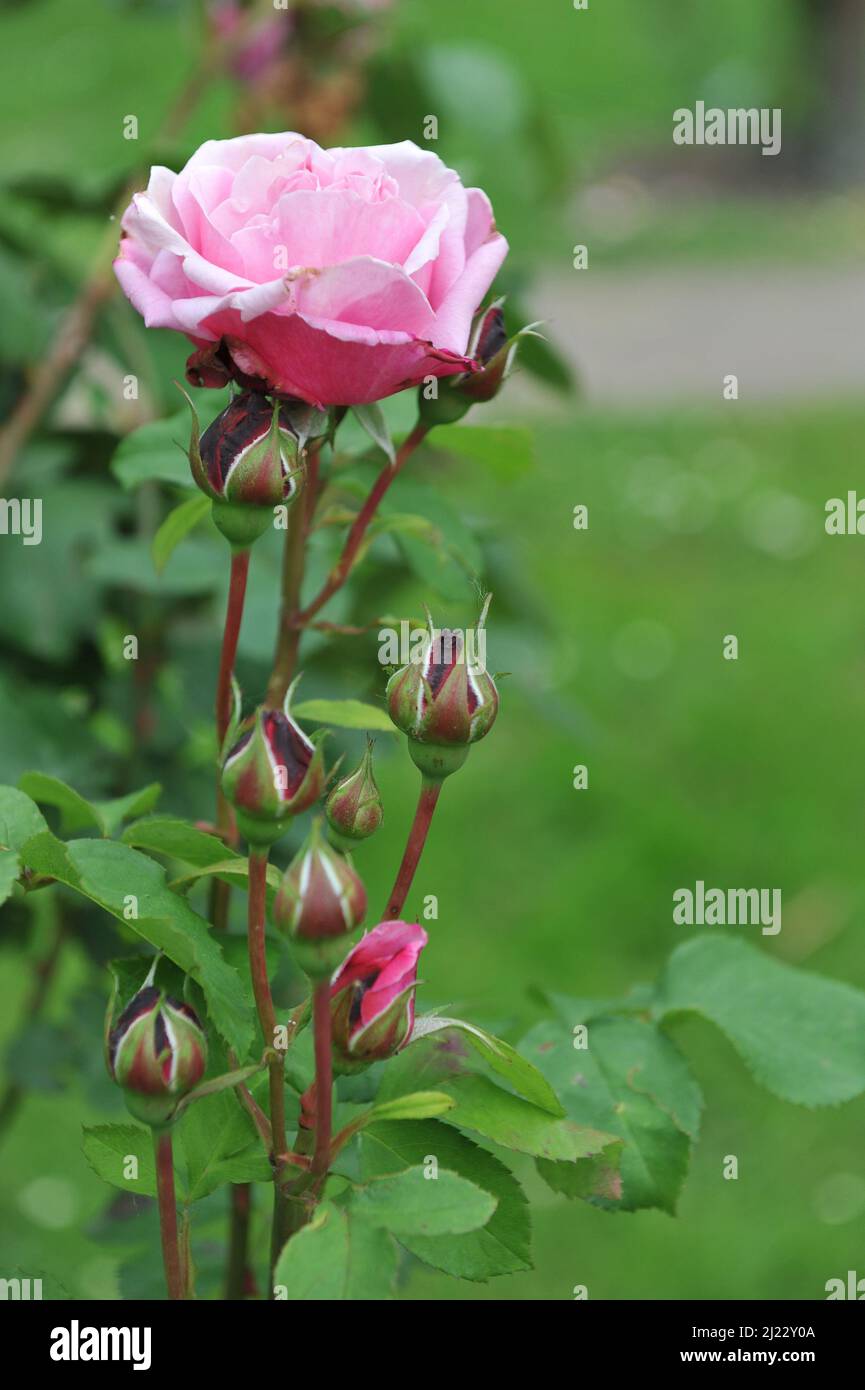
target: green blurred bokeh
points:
(705, 519)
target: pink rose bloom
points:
(337, 276)
(372, 993)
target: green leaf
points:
(517, 1124)
(506, 451)
(371, 417)
(120, 808)
(234, 871)
(211, 1132)
(76, 812)
(526, 1080)
(155, 451)
(124, 883)
(10, 868)
(502, 1246)
(630, 1081)
(411, 1203)
(345, 714)
(177, 839)
(109, 1150)
(180, 521)
(336, 1257)
(801, 1035)
(226, 1082)
(20, 818)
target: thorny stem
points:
(429, 795)
(323, 1078)
(168, 1213)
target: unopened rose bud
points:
(157, 1052)
(354, 809)
(493, 353)
(442, 703)
(320, 901)
(372, 995)
(270, 772)
(247, 462)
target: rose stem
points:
(276, 1063)
(323, 1078)
(220, 893)
(293, 619)
(339, 574)
(168, 1212)
(429, 795)
(293, 565)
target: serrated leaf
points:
(177, 839)
(234, 870)
(411, 1203)
(525, 1078)
(502, 1246)
(345, 714)
(120, 879)
(20, 818)
(336, 1257)
(109, 1149)
(211, 1132)
(630, 1081)
(801, 1035)
(180, 521)
(77, 812)
(371, 417)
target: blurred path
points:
(638, 335)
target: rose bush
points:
(338, 276)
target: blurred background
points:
(706, 518)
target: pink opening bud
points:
(271, 772)
(157, 1052)
(372, 995)
(320, 900)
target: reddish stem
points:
(429, 795)
(231, 633)
(168, 1213)
(339, 574)
(323, 1077)
(293, 564)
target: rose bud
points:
(270, 772)
(320, 900)
(247, 462)
(492, 353)
(442, 703)
(354, 810)
(372, 995)
(157, 1052)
